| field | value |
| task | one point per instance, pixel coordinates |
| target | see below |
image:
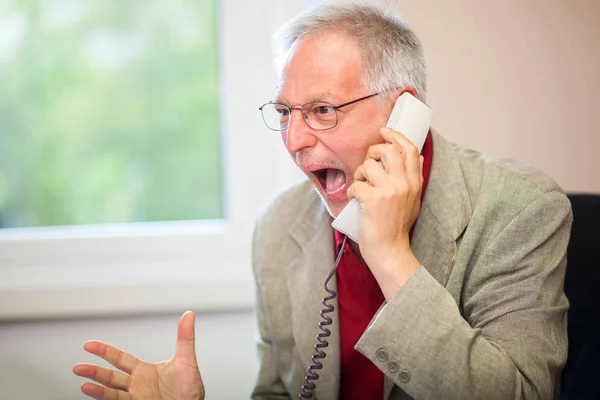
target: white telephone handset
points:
(410, 117)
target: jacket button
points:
(393, 366)
(404, 376)
(382, 355)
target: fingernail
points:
(385, 129)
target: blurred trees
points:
(108, 112)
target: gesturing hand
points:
(178, 378)
(389, 195)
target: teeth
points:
(339, 189)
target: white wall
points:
(36, 357)
(518, 78)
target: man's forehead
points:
(322, 67)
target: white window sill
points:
(123, 269)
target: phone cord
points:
(309, 386)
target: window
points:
(109, 112)
(179, 255)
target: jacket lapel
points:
(445, 212)
(308, 269)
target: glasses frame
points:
(305, 116)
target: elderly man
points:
(455, 291)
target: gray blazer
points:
(484, 318)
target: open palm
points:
(178, 378)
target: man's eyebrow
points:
(323, 96)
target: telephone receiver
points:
(410, 117)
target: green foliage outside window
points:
(108, 112)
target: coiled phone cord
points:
(311, 376)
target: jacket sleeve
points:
(508, 340)
(268, 382)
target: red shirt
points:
(359, 298)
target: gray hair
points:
(392, 53)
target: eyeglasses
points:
(319, 115)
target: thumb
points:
(185, 349)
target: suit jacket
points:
(483, 318)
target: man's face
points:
(329, 68)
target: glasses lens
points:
(276, 116)
(319, 115)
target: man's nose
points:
(298, 135)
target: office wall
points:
(36, 357)
(518, 78)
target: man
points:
(463, 302)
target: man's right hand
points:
(176, 379)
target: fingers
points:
(107, 377)
(390, 155)
(412, 158)
(185, 349)
(402, 164)
(393, 158)
(115, 382)
(116, 357)
(103, 393)
(397, 138)
(372, 172)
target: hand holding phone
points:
(410, 117)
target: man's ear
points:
(408, 89)
(399, 92)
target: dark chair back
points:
(581, 376)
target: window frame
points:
(158, 267)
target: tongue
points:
(334, 180)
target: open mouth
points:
(332, 180)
